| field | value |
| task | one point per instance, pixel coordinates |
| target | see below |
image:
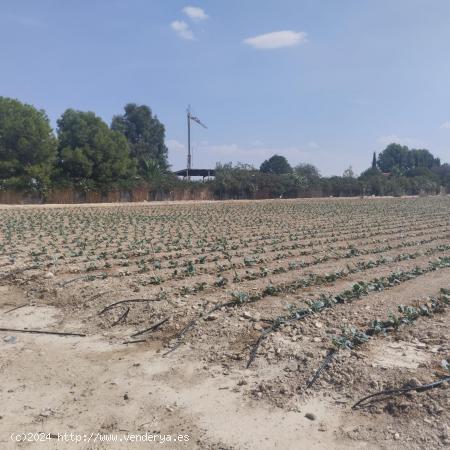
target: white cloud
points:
(195, 13)
(182, 29)
(174, 146)
(393, 138)
(277, 39)
(446, 125)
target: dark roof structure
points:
(196, 172)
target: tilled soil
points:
(62, 266)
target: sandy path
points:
(67, 384)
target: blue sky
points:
(320, 81)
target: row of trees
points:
(395, 159)
(87, 154)
(396, 171)
(85, 151)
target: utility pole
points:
(189, 155)
(188, 167)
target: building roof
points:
(196, 172)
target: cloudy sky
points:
(320, 81)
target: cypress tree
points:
(374, 161)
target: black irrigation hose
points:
(152, 328)
(322, 367)
(391, 392)
(122, 317)
(57, 333)
(269, 330)
(17, 307)
(193, 322)
(134, 342)
(256, 345)
(134, 300)
(179, 335)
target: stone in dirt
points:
(310, 416)
(10, 339)
(251, 316)
(47, 412)
(212, 317)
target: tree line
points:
(86, 153)
(396, 171)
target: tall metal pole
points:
(189, 144)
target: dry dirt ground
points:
(212, 278)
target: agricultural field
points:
(244, 325)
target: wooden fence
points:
(68, 196)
